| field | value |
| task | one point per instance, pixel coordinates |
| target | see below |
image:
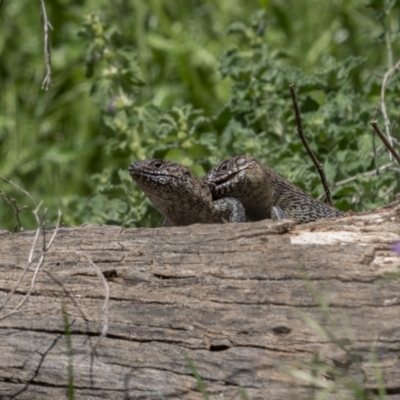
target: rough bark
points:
(261, 306)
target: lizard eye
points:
(157, 164)
(224, 167)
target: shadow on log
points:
(265, 310)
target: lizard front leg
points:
(231, 210)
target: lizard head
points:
(174, 191)
(231, 175)
(244, 179)
(155, 176)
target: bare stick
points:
(375, 150)
(42, 225)
(40, 258)
(319, 166)
(367, 173)
(388, 166)
(385, 140)
(106, 290)
(385, 83)
(16, 210)
(20, 189)
(91, 263)
(47, 53)
(35, 239)
(106, 296)
(30, 259)
(105, 284)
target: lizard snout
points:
(134, 167)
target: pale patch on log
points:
(267, 307)
(340, 237)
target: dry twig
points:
(20, 189)
(16, 210)
(39, 262)
(13, 203)
(319, 166)
(388, 166)
(374, 147)
(385, 83)
(40, 258)
(385, 140)
(47, 53)
(30, 260)
(102, 279)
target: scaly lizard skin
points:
(264, 193)
(181, 197)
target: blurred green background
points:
(195, 81)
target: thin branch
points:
(374, 147)
(47, 52)
(106, 289)
(98, 273)
(40, 262)
(30, 259)
(55, 232)
(42, 225)
(16, 210)
(104, 282)
(20, 189)
(388, 191)
(40, 258)
(373, 172)
(385, 140)
(388, 42)
(366, 174)
(385, 83)
(319, 166)
(374, 150)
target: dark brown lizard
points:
(264, 193)
(181, 197)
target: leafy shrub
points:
(174, 80)
(337, 102)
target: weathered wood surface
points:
(241, 300)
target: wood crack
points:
(242, 310)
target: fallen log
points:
(265, 310)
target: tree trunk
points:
(261, 310)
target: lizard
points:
(264, 193)
(182, 198)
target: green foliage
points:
(193, 82)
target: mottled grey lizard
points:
(181, 197)
(264, 193)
